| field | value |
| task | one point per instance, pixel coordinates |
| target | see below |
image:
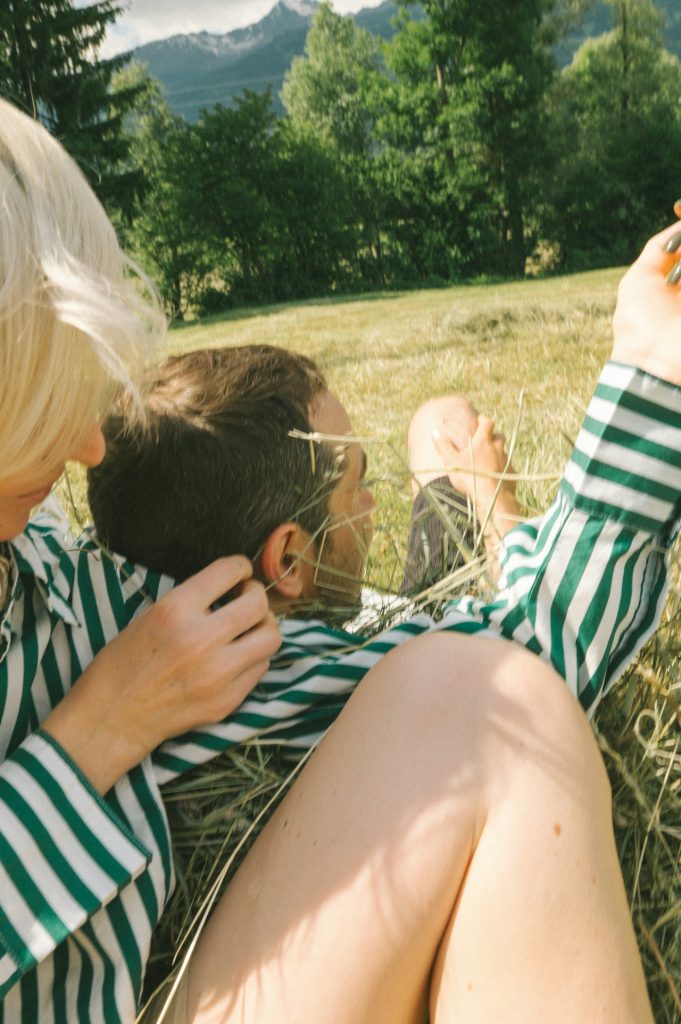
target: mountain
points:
(205, 68)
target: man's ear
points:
(281, 563)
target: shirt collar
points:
(44, 553)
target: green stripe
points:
(107, 985)
(61, 967)
(90, 609)
(29, 999)
(84, 989)
(661, 414)
(128, 943)
(593, 616)
(48, 847)
(632, 442)
(52, 676)
(16, 943)
(623, 478)
(26, 717)
(84, 834)
(604, 510)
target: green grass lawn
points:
(383, 354)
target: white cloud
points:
(145, 20)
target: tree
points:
(469, 87)
(329, 96)
(49, 67)
(616, 115)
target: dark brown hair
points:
(215, 469)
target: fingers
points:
(242, 614)
(214, 581)
(485, 429)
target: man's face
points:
(342, 551)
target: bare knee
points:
(452, 415)
(503, 703)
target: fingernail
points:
(674, 242)
(675, 275)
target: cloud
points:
(145, 20)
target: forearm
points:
(584, 586)
(64, 854)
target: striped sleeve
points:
(63, 854)
(585, 585)
(300, 696)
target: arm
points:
(65, 851)
(584, 586)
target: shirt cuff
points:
(626, 464)
(63, 851)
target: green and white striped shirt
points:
(83, 879)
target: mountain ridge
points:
(201, 69)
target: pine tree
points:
(49, 66)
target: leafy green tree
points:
(468, 95)
(50, 68)
(329, 95)
(326, 91)
(161, 143)
(616, 115)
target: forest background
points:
(455, 151)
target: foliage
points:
(50, 68)
(616, 121)
(474, 74)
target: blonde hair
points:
(74, 320)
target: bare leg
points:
(452, 415)
(456, 815)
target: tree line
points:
(458, 150)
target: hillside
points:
(204, 68)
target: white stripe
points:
(606, 412)
(68, 843)
(625, 498)
(652, 389)
(31, 932)
(7, 968)
(653, 469)
(131, 859)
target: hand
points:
(178, 666)
(476, 468)
(647, 320)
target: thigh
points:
(423, 833)
(337, 913)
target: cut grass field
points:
(528, 354)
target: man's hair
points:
(214, 470)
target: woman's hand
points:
(647, 320)
(178, 666)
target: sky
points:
(146, 20)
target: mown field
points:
(527, 354)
